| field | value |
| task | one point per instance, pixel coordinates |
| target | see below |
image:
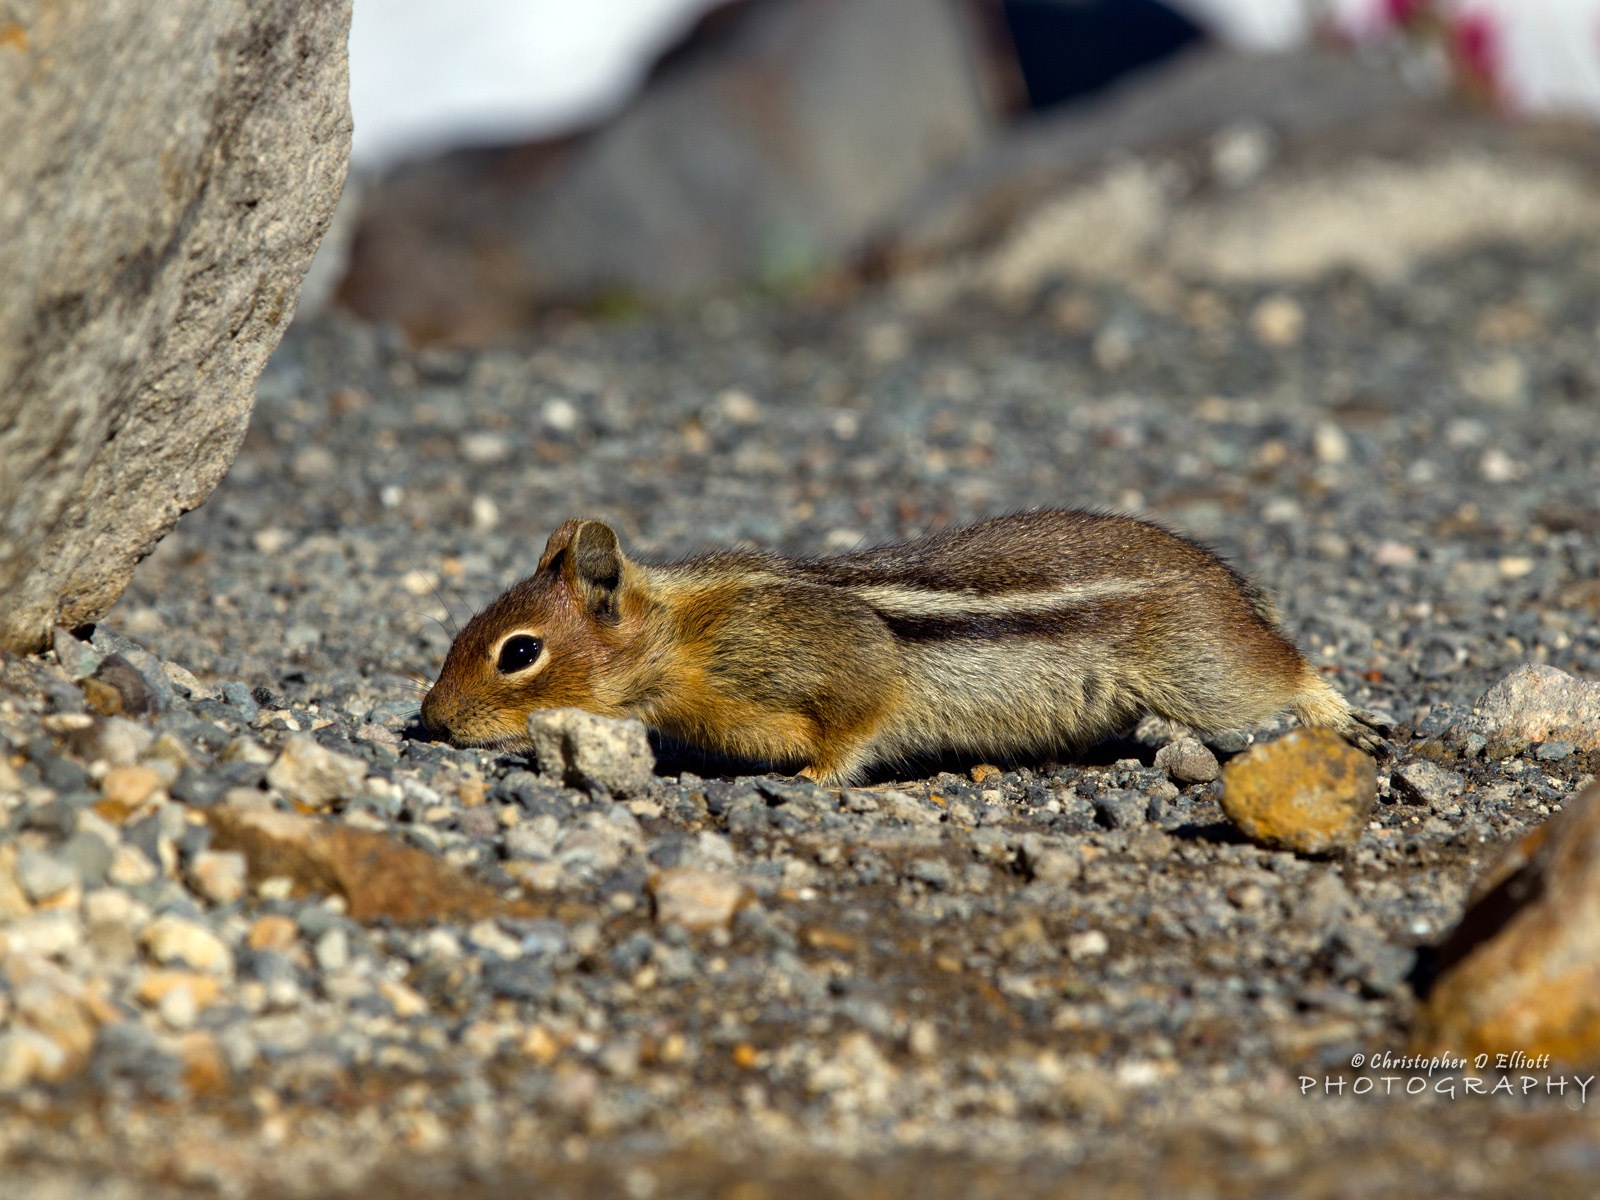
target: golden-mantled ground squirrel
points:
(1024, 635)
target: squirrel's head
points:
(543, 644)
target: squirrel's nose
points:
(437, 710)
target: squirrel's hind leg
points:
(836, 767)
(1319, 706)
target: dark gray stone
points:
(1424, 782)
(519, 979)
(1121, 809)
(238, 697)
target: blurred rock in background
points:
(764, 147)
(785, 142)
(770, 144)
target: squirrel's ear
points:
(590, 562)
(559, 541)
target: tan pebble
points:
(1278, 321)
(128, 789)
(42, 935)
(422, 1131)
(1309, 791)
(246, 750)
(483, 1039)
(205, 1071)
(56, 1009)
(406, 1002)
(1329, 444)
(130, 867)
(108, 906)
(984, 772)
(310, 773)
(1050, 863)
(219, 875)
(98, 1005)
(272, 932)
(13, 902)
(538, 876)
(696, 899)
(67, 722)
(156, 986)
(179, 1009)
(1028, 931)
(69, 899)
(275, 887)
(1089, 944)
(171, 939)
(539, 1045)
(184, 680)
(26, 1056)
(1187, 760)
(674, 1049)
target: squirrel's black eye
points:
(518, 652)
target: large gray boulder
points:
(169, 168)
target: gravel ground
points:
(987, 979)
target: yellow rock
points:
(1310, 791)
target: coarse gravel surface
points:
(986, 979)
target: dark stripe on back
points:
(943, 627)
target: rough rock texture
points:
(1522, 970)
(1292, 95)
(314, 775)
(1309, 791)
(1537, 703)
(1187, 761)
(774, 150)
(169, 170)
(696, 899)
(1427, 783)
(1063, 199)
(583, 750)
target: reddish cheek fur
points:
(575, 657)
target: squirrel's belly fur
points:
(1024, 635)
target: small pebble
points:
(44, 876)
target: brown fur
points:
(1026, 634)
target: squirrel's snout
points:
(437, 709)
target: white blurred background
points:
(430, 74)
